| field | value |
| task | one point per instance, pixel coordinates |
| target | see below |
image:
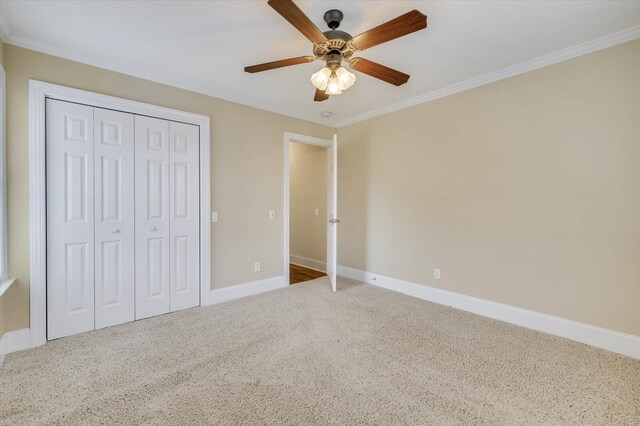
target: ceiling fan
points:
(335, 46)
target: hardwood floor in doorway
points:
(298, 274)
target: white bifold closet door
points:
(152, 217)
(90, 229)
(167, 225)
(70, 219)
(114, 218)
(123, 233)
(184, 206)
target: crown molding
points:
(562, 55)
(610, 40)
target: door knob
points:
(153, 228)
(115, 230)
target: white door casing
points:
(152, 217)
(70, 218)
(114, 217)
(184, 213)
(332, 211)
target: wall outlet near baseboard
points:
(436, 273)
(256, 267)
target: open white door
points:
(332, 211)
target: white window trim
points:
(5, 281)
(38, 92)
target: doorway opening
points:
(310, 200)
(307, 212)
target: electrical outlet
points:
(214, 217)
(316, 212)
(272, 214)
(256, 267)
(436, 274)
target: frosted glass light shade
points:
(345, 78)
(333, 86)
(321, 78)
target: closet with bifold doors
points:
(122, 217)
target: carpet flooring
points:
(305, 355)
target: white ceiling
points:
(203, 46)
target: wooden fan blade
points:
(279, 64)
(402, 25)
(376, 70)
(320, 96)
(297, 18)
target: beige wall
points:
(308, 191)
(525, 191)
(246, 169)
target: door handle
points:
(334, 220)
(115, 230)
(153, 228)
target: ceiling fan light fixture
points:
(337, 46)
(321, 78)
(345, 78)
(333, 85)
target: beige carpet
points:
(304, 355)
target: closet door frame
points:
(39, 91)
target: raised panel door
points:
(70, 219)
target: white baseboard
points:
(226, 294)
(614, 341)
(307, 262)
(14, 341)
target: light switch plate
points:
(317, 212)
(272, 214)
(214, 216)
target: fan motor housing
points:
(337, 41)
(337, 35)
